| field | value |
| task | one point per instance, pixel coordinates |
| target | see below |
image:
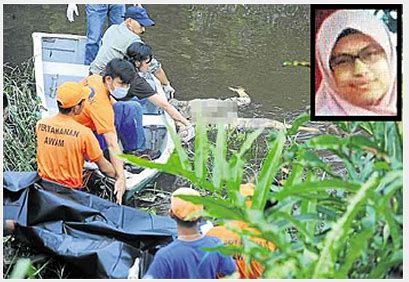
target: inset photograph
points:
(357, 62)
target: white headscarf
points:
(327, 101)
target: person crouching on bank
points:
(63, 143)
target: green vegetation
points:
(22, 269)
(19, 145)
(324, 224)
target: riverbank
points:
(19, 155)
(338, 150)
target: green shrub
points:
(325, 225)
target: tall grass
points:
(325, 225)
(19, 143)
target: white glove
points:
(187, 133)
(70, 12)
(169, 91)
(133, 272)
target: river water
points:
(203, 48)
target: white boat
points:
(59, 58)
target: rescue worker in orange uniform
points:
(108, 125)
(63, 144)
(229, 237)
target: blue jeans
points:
(96, 15)
(128, 125)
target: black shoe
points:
(147, 154)
(133, 169)
(153, 155)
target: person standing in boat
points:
(111, 120)
(63, 143)
(118, 38)
(96, 15)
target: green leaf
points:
(393, 228)
(296, 173)
(367, 126)
(326, 142)
(201, 150)
(172, 166)
(226, 250)
(234, 175)
(330, 213)
(336, 203)
(360, 141)
(308, 209)
(268, 170)
(309, 187)
(215, 207)
(381, 166)
(393, 141)
(249, 141)
(369, 221)
(22, 269)
(391, 183)
(356, 245)
(335, 239)
(299, 121)
(219, 157)
(183, 157)
(310, 159)
(297, 224)
(383, 267)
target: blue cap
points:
(140, 15)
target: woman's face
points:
(361, 70)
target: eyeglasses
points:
(149, 60)
(367, 55)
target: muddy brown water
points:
(203, 48)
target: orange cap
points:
(247, 190)
(70, 94)
(183, 209)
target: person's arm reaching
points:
(161, 75)
(187, 133)
(167, 88)
(166, 106)
(113, 147)
(105, 167)
(155, 68)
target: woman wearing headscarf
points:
(357, 60)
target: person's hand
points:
(70, 12)
(187, 133)
(169, 91)
(119, 190)
(9, 226)
(133, 272)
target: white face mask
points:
(119, 92)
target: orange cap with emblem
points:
(247, 190)
(183, 209)
(70, 94)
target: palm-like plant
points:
(356, 232)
